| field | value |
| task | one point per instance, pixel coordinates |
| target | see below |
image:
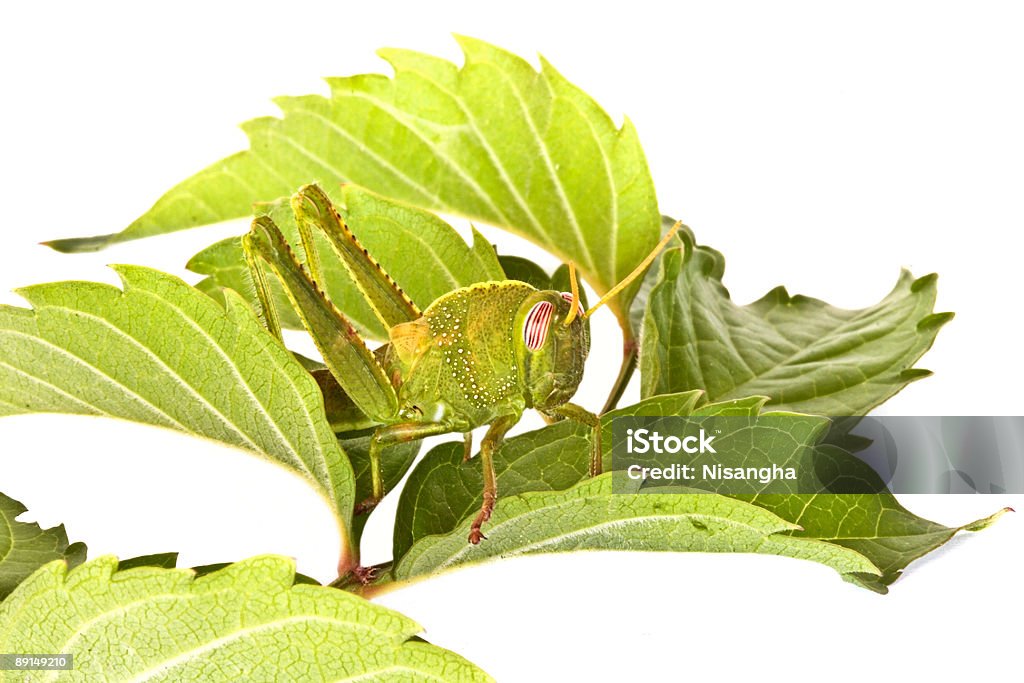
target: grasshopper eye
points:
(535, 327)
(579, 306)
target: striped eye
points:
(535, 328)
(579, 304)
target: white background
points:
(817, 145)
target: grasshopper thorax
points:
(551, 354)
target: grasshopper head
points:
(552, 353)
(554, 335)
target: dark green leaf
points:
(25, 547)
(443, 494)
(590, 517)
(524, 270)
(165, 560)
(803, 354)
(442, 490)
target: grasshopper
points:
(479, 355)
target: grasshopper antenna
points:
(637, 272)
(574, 305)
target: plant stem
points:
(358, 579)
(629, 349)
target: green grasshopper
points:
(479, 355)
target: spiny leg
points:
(467, 442)
(583, 416)
(491, 442)
(388, 435)
(344, 352)
(270, 318)
(313, 210)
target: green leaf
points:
(638, 308)
(165, 560)
(425, 255)
(524, 270)
(590, 517)
(354, 438)
(494, 140)
(442, 490)
(162, 353)
(874, 525)
(805, 355)
(443, 494)
(24, 546)
(249, 621)
(170, 561)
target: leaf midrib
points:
(173, 374)
(407, 124)
(192, 653)
(549, 163)
(589, 530)
(383, 162)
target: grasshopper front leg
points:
(583, 416)
(490, 443)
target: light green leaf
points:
(494, 140)
(170, 561)
(590, 517)
(24, 546)
(423, 254)
(805, 355)
(247, 622)
(162, 353)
